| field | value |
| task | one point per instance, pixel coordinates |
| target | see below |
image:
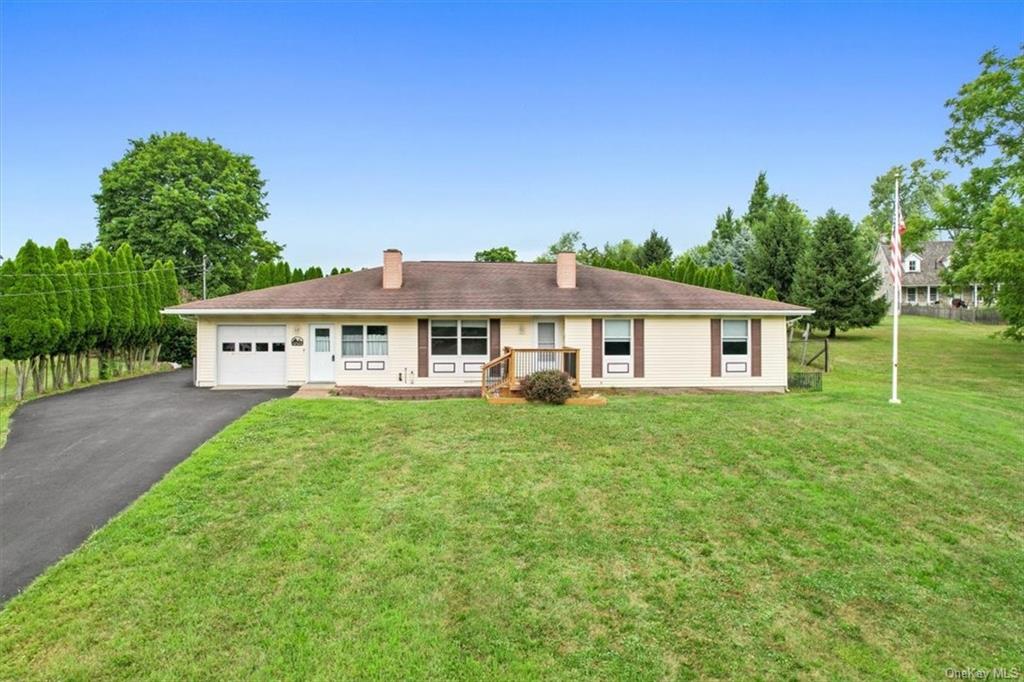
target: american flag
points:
(896, 245)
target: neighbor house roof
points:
(933, 255)
(440, 286)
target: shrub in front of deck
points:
(550, 386)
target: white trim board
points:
(265, 312)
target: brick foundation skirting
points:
(380, 393)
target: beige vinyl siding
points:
(206, 352)
(677, 353)
(400, 361)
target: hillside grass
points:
(810, 535)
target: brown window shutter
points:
(755, 348)
(495, 337)
(638, 348)
(716, 348)
(423, 347)
(596, 349)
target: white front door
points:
(321, 353)
(547, 337)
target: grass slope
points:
(825, 535)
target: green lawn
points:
(811, 535)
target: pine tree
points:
(777, 249)
(837, 277)
(726, 226)
(655, 249)
(760, 204)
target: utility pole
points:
(204, 276)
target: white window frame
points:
(735, 358)
(746, 338)
(912, 295)
(605, 338)
(933, 294)
(366, 340)
(458, 338)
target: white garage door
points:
(250, 355)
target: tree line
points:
(279, 272)
(59, 307)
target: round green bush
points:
(550, 386)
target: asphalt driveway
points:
(72, 461)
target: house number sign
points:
(297, 341)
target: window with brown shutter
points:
(716, 348)
(495, 337)
(755, 348)
(638, 348)
(423, 347)
(596, 348)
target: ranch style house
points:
(462, 324)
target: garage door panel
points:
(251, 355)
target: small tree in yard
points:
(549, 386)
(837, 277)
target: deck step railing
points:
(506, 372)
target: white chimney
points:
(392, 269)
(565, 270)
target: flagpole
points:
(895, 296)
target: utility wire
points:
(67, 291)
(117, 272)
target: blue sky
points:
(443, 129)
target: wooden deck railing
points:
(508, 370)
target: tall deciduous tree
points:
(921, 200)
(179, 197)
(498, 254)
(778, 246)
(837, 277)
(569, 241)
(987, 136)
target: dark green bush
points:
(549, 386)
(178, 339)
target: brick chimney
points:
(392, 269)
(565, 270)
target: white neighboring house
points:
(922, 276)
(438, 323)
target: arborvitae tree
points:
(760, 204)
(264, 276)
(283, 274)
(85, 338)
(334, 271)
(778, 246)
(122, 307)
(498, 254)
(655, 249)
(770, 294)
(30, 316)
(65, 343)
(62, 251)
(97, 270)
(314, 272)
(838, 278)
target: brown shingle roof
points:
(444, 286)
